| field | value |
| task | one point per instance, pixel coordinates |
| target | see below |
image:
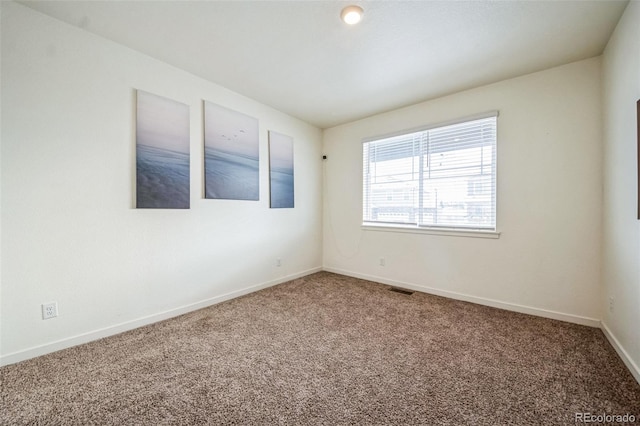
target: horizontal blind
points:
(442, 177)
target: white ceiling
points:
(298, 57)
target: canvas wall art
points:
(231, 154)
(281, 170)
(162, 153)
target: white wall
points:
(547, 259)
(621, 248)
(70, 232)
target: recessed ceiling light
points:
(352, 14)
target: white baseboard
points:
(576, 319)
(632, 366)
(130, 325)
(68, 342)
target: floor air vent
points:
(401, 291)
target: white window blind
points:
(441, 177)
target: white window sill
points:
(412, 229)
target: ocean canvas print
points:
(162, 153)
(231, 154)
(281, 170)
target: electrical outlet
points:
(382, 261)
(49, 310)
(278, 262)
(611, 304)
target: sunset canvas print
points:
(231, 154)
(162, 153)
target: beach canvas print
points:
(162, 153)
(281, 170)
(231, 154)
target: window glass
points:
(442, 177)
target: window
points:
(438, 177)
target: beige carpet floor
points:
(328, 350)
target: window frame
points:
(426, 229)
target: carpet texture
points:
(331, 350)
